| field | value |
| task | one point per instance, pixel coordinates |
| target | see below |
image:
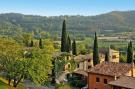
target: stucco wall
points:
(92, 84)
(113, 53)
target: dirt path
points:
(31, 85)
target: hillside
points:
(113, 22)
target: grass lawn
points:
(3, 86)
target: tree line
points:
(13, 23)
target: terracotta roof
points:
(111, 68)
(124, 81)
(81, 72)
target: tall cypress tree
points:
(64, 37)
(106, 57)
(95, 51)
(74, 51)
(68, 44)
(129, 53)
(40, 43)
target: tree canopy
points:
(18, 62)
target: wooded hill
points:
(116, 21)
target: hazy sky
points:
(65, 7)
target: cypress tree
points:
(64, 37)
(106, 57)
(40, 43)
(95, 52)
(129, 53)
(74, 51)
(68, 44)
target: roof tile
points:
(111, 68)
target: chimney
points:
(115, 77)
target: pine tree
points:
(68, 44)
(106, 57)
(31, 44)
(64, 37)
(74, 51)
(40, 43)
(129, 53)
(95, 52)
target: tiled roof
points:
(124, 81)
(82, 72)
(111, 68)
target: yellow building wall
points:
(114, 55)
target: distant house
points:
(114, 55)
(84, 62)
(65, 56)
(100, 75)
(124, 82)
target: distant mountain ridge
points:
(113, 22)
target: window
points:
(77, 65)
(68, 65)
(97, 80)
(105, 81)
(115, 87)
(114, 57)
(89, 67)
(88, 60)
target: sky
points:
(65, 7)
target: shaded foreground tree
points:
(95, 51)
